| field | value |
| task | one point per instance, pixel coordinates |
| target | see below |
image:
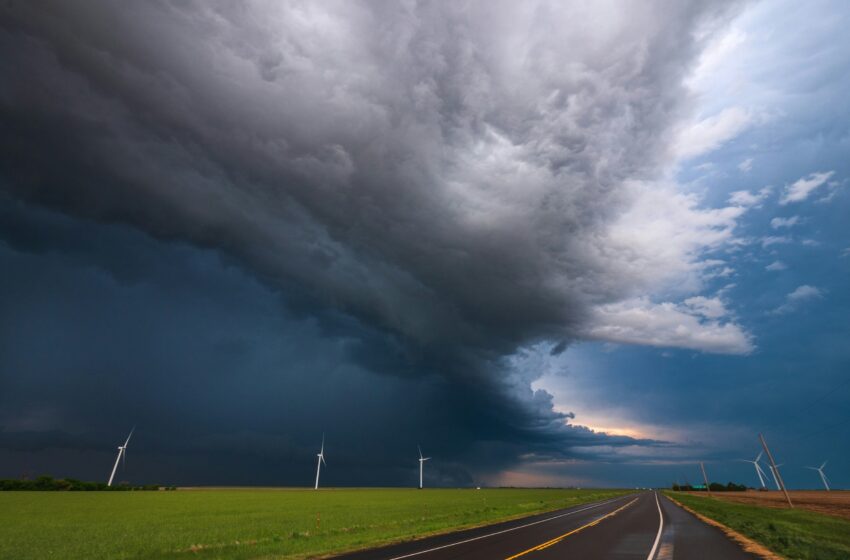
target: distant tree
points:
(714, 487)
(48, 483)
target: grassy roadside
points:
(251, 523)
(792, 533)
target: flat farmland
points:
(836, 502)
(252, 522)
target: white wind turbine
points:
(421, 463)
(122, 452)
(759, 470)
(321, 460)
(822, 476)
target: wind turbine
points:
(759, 470)
(122, 453)
(822, 476)
(321, 460)
(421, 463)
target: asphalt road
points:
(625, 528)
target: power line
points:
(823, 429)
(807, 407)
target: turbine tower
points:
(759, 470)
(320, 461)
(122, 453)
(421, 463)
(822, 476)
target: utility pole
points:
(776, 471)
(705, 478)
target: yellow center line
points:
(556, 540)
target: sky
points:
(583, 243)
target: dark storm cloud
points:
(104, 327)
(427, 185)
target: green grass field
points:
(793, 533)
(250, 523)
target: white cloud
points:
(811, 242)
(746, 165)
(769, 240)
(846, 252)
(833, 190)
(699, 323)
(776, 265)
(777, 223)
(711, 308)
(660, 243)
(720, 51)
(663, 244)
(805, 292)
(726, 289)
(708, 134)
(803, 187)
(747, 198)
(798, 297)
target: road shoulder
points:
(749, 545)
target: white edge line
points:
(660, 529)
(507, 530)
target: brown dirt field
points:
(835, 503)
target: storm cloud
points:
(421, 190)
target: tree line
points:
(49, 483)
(714, 487)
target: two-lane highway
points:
(644, 526)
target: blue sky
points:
(787, 281)
(551, 245)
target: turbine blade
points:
(420, 451)
(824, 464)
(760, 454)
(128, 437)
